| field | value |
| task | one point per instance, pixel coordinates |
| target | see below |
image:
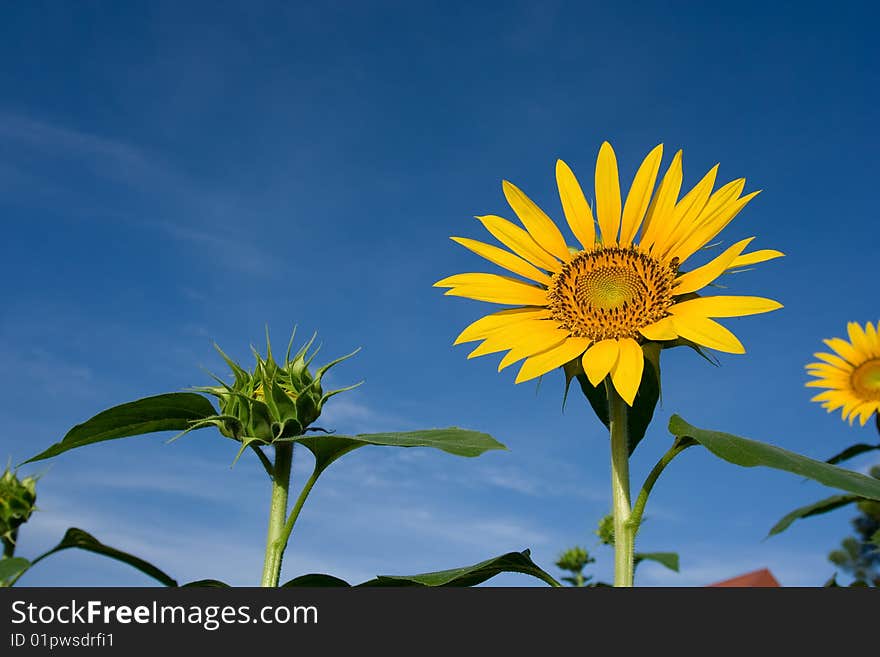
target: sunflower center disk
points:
(611, 293)
(866, 379)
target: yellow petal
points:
(724, 195)
(574, 205)
(543, 332)
(489, 323)
(702, 276)
(845, 349)
(541, 363)
(494, 289)
(708, 333)
(873, 336)
(858, 339)
(731, 306)
(829, 381)
(519, 241)
(532, 345)
(866, 410)
(824, 383)
(713, 225)
(827, 395)
(639, 195)
(479, 279)
(659, 218)
(599, 359)
(539, 225)
(833, 360)
(827, 368)
(686, 212)
(504, 259)
(496, 295)
(627, 371)
(607, 194)
(848, 409)
(753, 258)
(660, 330)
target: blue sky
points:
(173, 174)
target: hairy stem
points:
(624, 535)
(277, 514)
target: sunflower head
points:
(629, 280)
(18, 498)
(274, 400)
(851, 373)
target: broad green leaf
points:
(77, 538)
(512, 562)
(207, 583)
(316, 579)
(851, 451)
(460, 442)
(668, 559)
(640, 414)
(815, 509)
(12, 568)
(750, 453)
(175, 410)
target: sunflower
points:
(851, 373)
(624, 286)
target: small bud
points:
(275, 400)
(17, 500)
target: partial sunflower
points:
(601, 302)
(851, 373)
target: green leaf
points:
(642, 411)
(12, 568)
(668, 559)
(851, 451)
(751, 453)
(316, 579)
(77, 538)
(453, 440)
(207, 583)
(815, 509)
(175, 410)
(512, 562)
(875, 539)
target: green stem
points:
(297, 507)
(677, 448)
(9, 544)
(277, 514)
(624, 536)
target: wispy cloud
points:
(228, 246)
(347, 413)
(108, 157)
(49, 373)
(212, 215)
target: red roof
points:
(758, 578)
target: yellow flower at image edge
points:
(600, 303)
(851, 373)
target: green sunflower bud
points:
(17, 500)
(274, 400)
